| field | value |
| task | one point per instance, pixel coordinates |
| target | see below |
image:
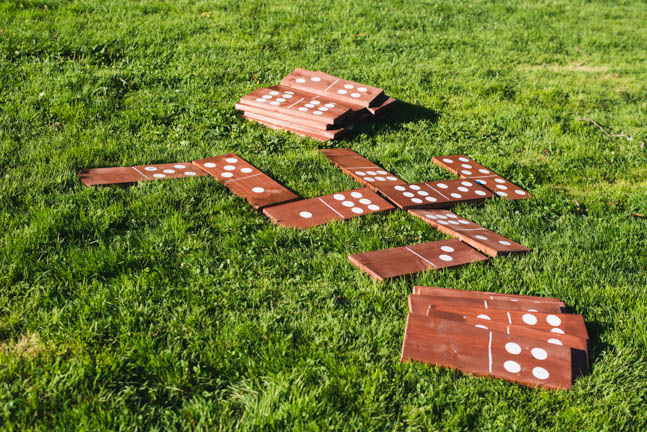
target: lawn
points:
(175, 305)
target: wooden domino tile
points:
(474, 235)
(296, 103)
(420, 303)
(295, 127)
(316, 125)
(581, 345)
(400, 261)
(467, 168)
(126, 175)
(279, 126)
(245, 180)
(361, 169)
(486, 352)
(441, 194)
(450, 292)
(321, 210)
(332, 87)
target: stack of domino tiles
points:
(314, 104)
(524, 339)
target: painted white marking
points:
(509, 319)
(421, 257)
(485, 303)
(512, 366)
(489, 353)
(290, 106)
(540, 373)
(326, 204)
(239, 178)
(334, 82)
(539, 353)
(437, 191)
(553, 320)
(513, 348)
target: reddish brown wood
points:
(297, 103)
(125, 175)
(320, 126)
(384, 108)
(486, 352)
(388, 263)
(345, 91)
(467, 168)
(449, 292)
(321, 210)
(301, 131)
(474, 235)
(292, 126)
(361, 169)
(440, 194)
(245, 180)
(420, 303)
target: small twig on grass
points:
(628, 137)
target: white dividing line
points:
(473, 177)
(144, 175)
(508, 329)
(509, 319)
(335, 82)
(241, 178)
(421, 257)
(485, 303)
(326, 204)
(489, 353)
(437, 191)
(290, 106)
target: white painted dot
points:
(481, 326)
(512, 366)
(287, 96)
(280, 100)
(468, 166)
(300, 80)
(451, 215)
(540, 373)
(315, 102)
(442, 185)
(373, 207)
(430, 216)
(342, 91)
(464, 222)
(373, 173)
(246, 170)
(178, 166)
(258, 189)
(553, 320)
(463, 189)
(483, 316)
(453, 222)
(557, 330)
(466, 183)
(315, 79)
(303, 109)
(423, 193)
(323, 108)
(431, 199)
(539, 353)
(480, 181)
(260, 100)
(519, 192)
(555, 341)
(365, 201)
(443, 222)
(305, 215)
(483, 171)
(416, 200)
(267, 97)
(274, 93)
(414, 187)
(513, 348)
(466, 172)
(533, 310)
(498, 180)
(356, 194)
(348, 86)
(504, 243)
(447, 160)
(339, 197)
(355, 95)
(317, 112)
(442, 217)
(445, 257)
(357, 210)
(382, 172)
(158, 175)
(501, 193)
(169, 171)
(379, 178)
(189, 173)
(309, 105)
(463, 159)
(360, 173)
(399, 188)
(210, 165)
(529, 319)
(330, 105)
(275, 103)
(480, 192)
(408, 194)
(481, 237)
(155, 169)
(289, 92)
(456, 195)
(226, 174)
(447, 249)
(348, 204)
(369, 179)
(361, 89)
(229, 167)
(502, 187)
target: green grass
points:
(174, 305)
